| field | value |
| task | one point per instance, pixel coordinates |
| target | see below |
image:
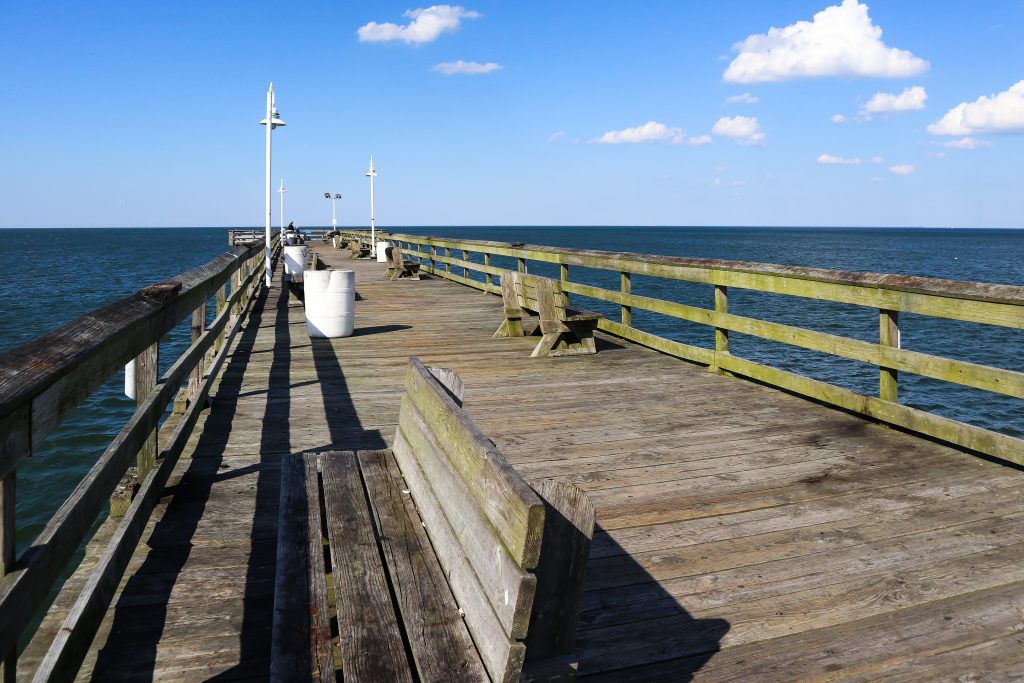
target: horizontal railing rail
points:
(245, 236)
(990, 304)
(43, 381)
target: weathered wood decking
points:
(742, 531)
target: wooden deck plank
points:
(741, 531)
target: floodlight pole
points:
(271, 122)
(282, 191)
(373, 228)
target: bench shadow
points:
(140, 616)
(631, 629)
(343, 420)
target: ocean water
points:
(51, 276)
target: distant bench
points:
(564, 330)
(398, 267)
(481, 574)
(359, 250)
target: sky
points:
(789, 113)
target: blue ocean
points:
(51, 276)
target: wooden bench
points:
(563, 331)
(358, 249)
(398, 267)
(446, 565)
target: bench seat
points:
(445, 564)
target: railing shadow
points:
(631, 629)
(140, 615)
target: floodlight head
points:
(337, 196)
(327, 195)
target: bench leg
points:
(546, 345)
(510, 327)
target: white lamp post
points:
(282, 191)
(334, 208)
(271, 122)
(373, 228)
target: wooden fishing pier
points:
(750, 522)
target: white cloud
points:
(829, 159)
(555, 137)
(967, 143)
(652, 131)
(745, 98)
(743, 129)
(840, 41)
(876, 159)
(936, 155)
(839, 118)
(463, 67)
(908, 100)
(426, 26)
(999, 113)
(901, 169)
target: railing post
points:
(465, 257)
(521, 264)
(626, 285)
(447, 263)
(195, 378)
(221, 301)
(488, 278)
(721, 333)
(433, 254)
(9, 663)
(888, 335)
(146, 369)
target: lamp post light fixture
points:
(271, 122)
(281, 190)
(371, 174)
(334, 208)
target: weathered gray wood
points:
(509, 588)
(888, 335)
(58, 371)
(512, 325)
(198, 325)
(68, 649)
(514, 510)
(451, 382)
(501, 656)
(625, 286)
(568, 531)
(370, 637)
(38, 568)
(441, 646)
(147, 366)
(301, 639)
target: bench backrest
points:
(541, 295)
(487, 526)
(395, 256)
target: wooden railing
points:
(990, 304)
(42, 382)
(249, 235)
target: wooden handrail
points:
(991, 304)
(42, 381)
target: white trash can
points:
(382, 255)
(294, 261)
(330, 302)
